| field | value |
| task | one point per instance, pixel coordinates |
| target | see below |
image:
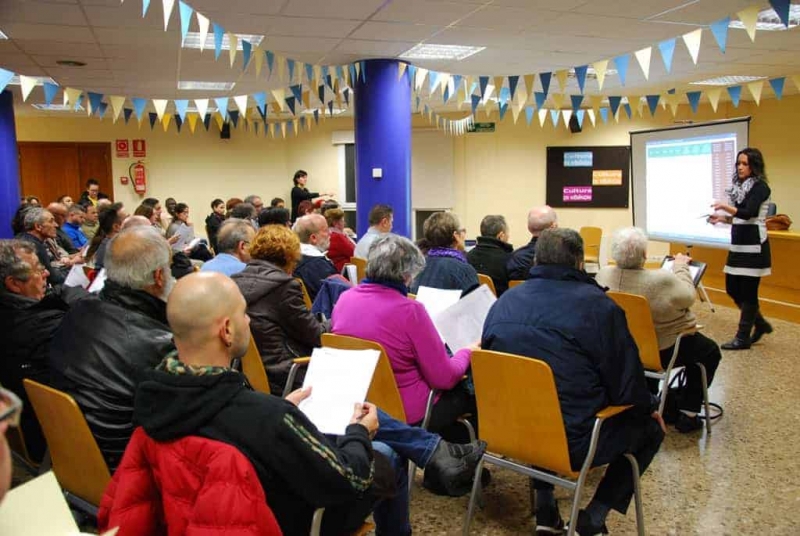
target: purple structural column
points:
(383, 142)
(9, 165)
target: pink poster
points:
(577, 194)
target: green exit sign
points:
(481, 127)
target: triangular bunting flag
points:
(202, 106)
(270, 61)
(178, 123)
(652, 103)
(735, 93)
(713, 97)
(512, 85)
(719, 30)
(218, 119)
(580, 114)
(306, 98)
(558, 100)
(241, 103)
(160, 105)
(27, 83)
(71, 96)
(168, 5)
(580, 75)
(309, 72)
(627, 108)
(185, 11)
(290, 104)
(94, 101)
(561, 76)
(153, 118)
(643, 57)
(614, 102)
(667, 49)
(297, 91)
(346, 96)
(233, 41)
(207, 121)
(597, 101)
(781, 7)
(234, 115)
(219, 33)
(692, 41)
(755, 89)
(600, 68)
(529, 114)
(483, 82)
(604, 114)
(577, 100)
(203, 23)
(777, 86)
(540, 98)
(165, 122)
(621, 63)
(401, 69)
(554, 117)
(694, 99)
(126, 113)
(117, 104)
(476, 99)
(567, 115)
(261, 101)
(101, 110)
(503, 109)
(330, 108)
(542, 116)
(321, 93)
(592, 116)
(138, 106)
(247, 50)
(192, 118)
(222, 107)
(145, 7)
(749, 18)
(544, 79)
(50, 91)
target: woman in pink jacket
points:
(379, 310)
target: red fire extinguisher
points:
(138, 175)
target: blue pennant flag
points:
(290, 104)
(219, 33)
(234, 114)
(94, 101)
(512, 85)
(604, 114)
(503, 109)
(472, 88)
(476, 99)
(261, 101)
(290, 67)
(326, 73)
(353, 77)
(339, 76)
(247, 49)
(627, 107)
(363, 71)
(178, 122)
(139, 105)
(263, 113)
(613, 102)
(544, 78)
(577, 100)
(185, 11)
(554, 117)
(145, 7)
(735, 93)
(529, 114)
(781, 7)
(777, 86)
(580, 114)
(505, 95)
(50, 91)
(483, 81)
(101, 110)
(446, 95)
(207, 121)
(652, 103)
(719, 30)
(297, 91)
(270, 60)
(667, 49)
(433, 80)
(153, 119)
(309, 72)
(580, 74)
(457, 79)
(412, 73)
(321, 93)
(621, 63)
(222, 106)
(346, 93)
(540, 97)
(694, 99)
(181, 105)
(316, 117)
(127, 112)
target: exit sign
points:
(481, 127)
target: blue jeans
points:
(410, 442)
(392, 515)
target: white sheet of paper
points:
(186, 235)
(339, 379)
(693, 270)
(351, 273)
(461, 324)
(437, 300)
(77, 277)
(99, 281)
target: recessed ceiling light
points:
(2, 35)
(39, 80)
(193, 40)
(727, 80)
(426, 51)
(57, 107)
(206, 86)
(770, 21)
(71, 63)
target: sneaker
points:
(452, 467)
(686, 424)
(548, 521)
(736, 344)
(584, 526)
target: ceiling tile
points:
(510, 18)
(395, 31)
(425, 12)
(48, 32)
(251, 7)
(299, 44)
(373, 48)
(705, 12)
(549, 5)
(294, 26)
(136, 39)
(77, 51)
(129, 15)
(334, 9)
(238, 23)
(41, 13)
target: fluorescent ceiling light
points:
(336, 111)
(425, 51)
(39, 80)
(192, 109)
(193, 40)
(2, 35)
(727, 80)
(591, 73)
(58, 107)
(768, 20)
(206, 86)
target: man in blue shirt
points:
(72, 226)
(233, 247)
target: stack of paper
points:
(458, 321)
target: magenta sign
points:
(577, 194)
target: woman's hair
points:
(274, 216)
(216, 202)
(31, 198)
(439, 229)
(144, 210)
(276, 244)
(18, 221)
(304, 208)
(394, 258)
(628, 248)
(107, 217)
(758, 170)
(180, 207)
(231, 203)
(298, 174)
(334, 215)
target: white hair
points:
(134, 255)
(394, 258)
(629, 247)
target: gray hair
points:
(394, 258)
(563, 247)
(231, 232)
(307, 225)
(493, 226)
(541, 218)
(10, 262)
(251, 198)
(134, 255)
(629, 247)
(34, 216)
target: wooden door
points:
(95, 163)
(49, 170)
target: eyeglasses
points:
(13, 407)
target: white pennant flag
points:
(203, 22)
(160, 105)
(202, 108)
(168, 5)
(643, 56)
(117, 104)
(542, 117)
(27, 84)
(241, 103)
(600, 68)
(567, 115)
(590, 112)
(755, 90)
(692, 41)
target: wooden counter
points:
(779, 293)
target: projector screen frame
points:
(633, 182)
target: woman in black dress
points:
(749, 254)
(300, 194)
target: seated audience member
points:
(230, 204)
(92, 194)
(184, 229)
(341, 246)
(670, 295)
(446, 265)
(63, 240)
(304, 209)
(214, 222)
(256, 201)
(149, 213)
(415, 349)
(18, 221)
(233, 253)
(245, 211)
(521, 261)
(492, 252)
(562, 317)
(72, 227)
(135, 221)
(156, 204)
(110, 222)
(275, 216)
(168, 214)
(40, 230)
(181, 264)
(9, 419)
(33, 201)
(66, 201)
(277, 202)
(381, 218)
(315, 238)
(89, 225)
(103, 342)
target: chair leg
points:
(476, 484)
(707, 406)
(316, 521)
(637, 494)
(470, 428)
(576, 502)
(412, 471)
(664, 390)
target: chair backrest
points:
(361, 267)
(77, 462)
(592, 237)
(519, 414)
(640, 324)
(383, 390)
(484, 279)
(253, 368)
(306, 297)
(514, 282)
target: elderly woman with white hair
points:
(670, 295)
(415, 350)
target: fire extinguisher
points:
(138, 175)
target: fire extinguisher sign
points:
(139, 149)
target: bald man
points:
(59, 212)
(521, 261)
(314, 266)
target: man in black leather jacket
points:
(102, 343)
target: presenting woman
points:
(300, 193)
(749, 255)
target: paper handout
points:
(77, 277)
(99, 281)
(339, 379)
(461, 324)
(437, 300)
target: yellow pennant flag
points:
(358, 70)
(796, 81)
(203, 23)
(280, 98)
(165, 122)
(567, 115)
(749, 19)
(558, 100)
(259, 57)
(591, 115)
(498, 85)
(636, 105)
(692, 41)
(542, 117)
(515, 113)
(401, 69)
(219, 120)
(117, 104)
(283, 129)
(755, 90)
(71, 96)
(643, 57)
(276, 107)
(561, 76)
(713, 97)
(192, 119)
(160, 105)
(597, 101)
(600, 68)
(528, 79)
(317, 74)
(307, 100)
(234, 41)
(27, 83)
(673, 104)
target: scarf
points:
(399, 287)
(738, 190)
(173, 365)
(448, 252)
